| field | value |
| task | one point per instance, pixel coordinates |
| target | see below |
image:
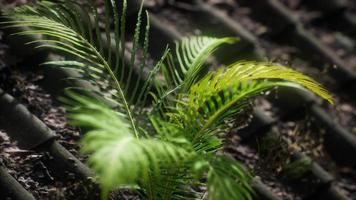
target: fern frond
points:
(117, 156)
(185, 66)
(192, 108)
(123, 160)
(62, 24)
(173, 183)
(144, 59)
(252, 70)
(227, 179)
(212, 108)
(226, 92)
(191, 54)
(135, 45)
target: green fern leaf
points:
(117, 156)
(252, 70)
(191, 54)
(226, 92)
(63, 23)
(227, 179)
(192, 108)
(185, 66)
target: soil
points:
(303, 135)
(36, 170)
(183, 20)
(267, 156)
(340, 43)
(256, 163)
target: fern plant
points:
(167, 146)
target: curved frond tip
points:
(252, 70)
(190, 55)
(226, 93)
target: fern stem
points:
(134, 47)
(144, 59)
(122, 37)
(117, 83)
(121, 94)
(107, 30)
(117, 36)
(166, 94)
